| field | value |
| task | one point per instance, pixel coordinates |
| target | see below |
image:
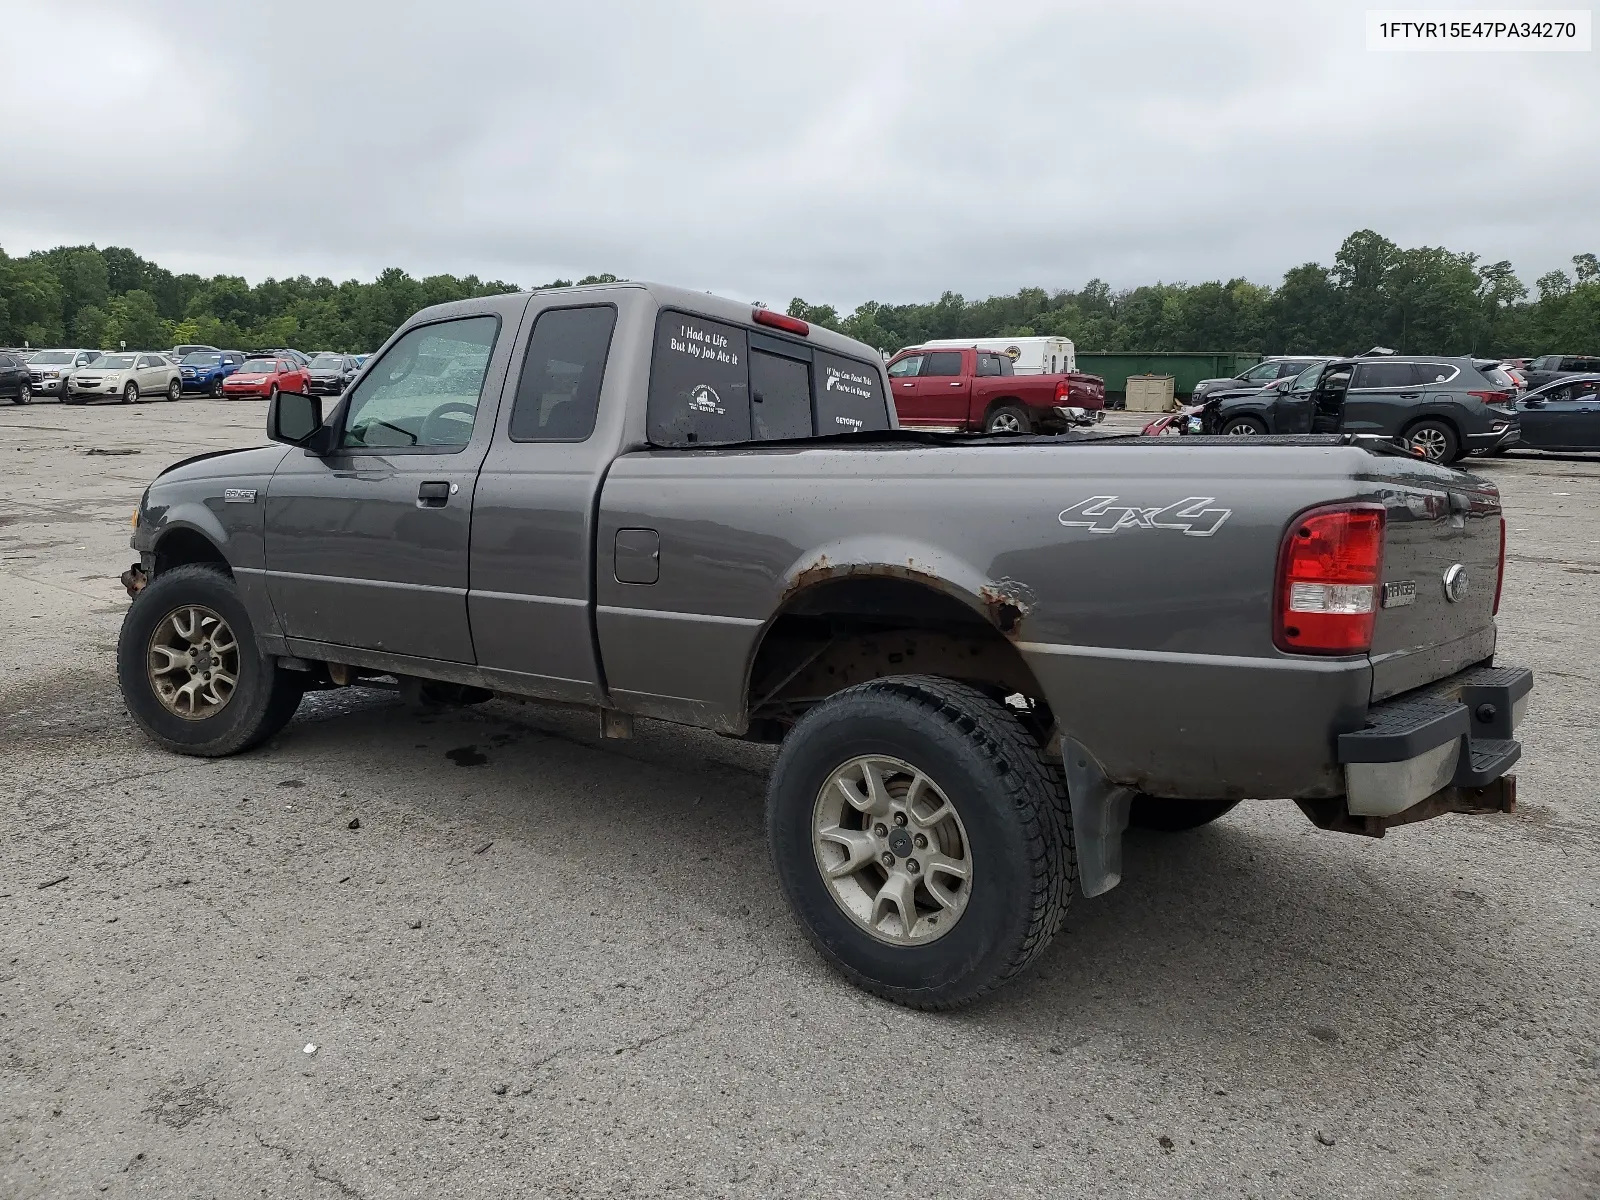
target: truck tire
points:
(1243, 427)
(215, 390)
(1434, 441)
(1009, 418)
(185, 635)
(1175, 816)
(922, 838)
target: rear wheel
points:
(1175, 816)
(922, 838)
(1434, 441)
(1008, 418)
(191, 673)
(1243, 427)
(130, 394)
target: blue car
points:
(204, 370)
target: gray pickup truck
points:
(983, 657)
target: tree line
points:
(1425, 300)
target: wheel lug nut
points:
(881, 829)
(921, 842)
(899, 818)
(888, 859)
(913, 866)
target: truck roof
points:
(705, 304)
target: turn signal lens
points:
(135, 522)
(1328, 573)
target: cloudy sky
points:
(887, 149)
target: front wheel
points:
(216, 388)
(130, 394)
(1243, 427)
(1008, 418)
(922, 838)
(191, 673)
(1175, 816)
(273, 394)
(175, 390)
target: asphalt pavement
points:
(485, 954)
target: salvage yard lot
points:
(484, 954)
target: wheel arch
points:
(183, 542)
(847, 618)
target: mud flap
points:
(1099, 817)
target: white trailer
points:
(1029, 355)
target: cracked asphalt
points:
(484, 954)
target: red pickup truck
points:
(977, 391)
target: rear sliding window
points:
(718, 384)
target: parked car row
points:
(77, 375)
(1442, 408)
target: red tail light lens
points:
(1062, 391)
(1328, 573)
(1500, 571)
(1493, 397)
(783, 321)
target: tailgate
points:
(1441, 563)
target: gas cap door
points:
(638, 556)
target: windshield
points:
(335, 361)
(113, 362)
(1307, 379)
(51, 358)
(257, 366)
(201, 360)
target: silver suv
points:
(48, 369)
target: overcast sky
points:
(885, 149)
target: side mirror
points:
(294, 418)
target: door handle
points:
(957, 384)
(434, 494)
(1410, 395)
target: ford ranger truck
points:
(981, 658)
(977, 391)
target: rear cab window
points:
(714, 383)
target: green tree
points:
(133, 318)
(89, 326)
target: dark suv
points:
(1552, 366)
(1440, 407)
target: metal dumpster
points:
(1187, 368)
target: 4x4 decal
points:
(1102, 514)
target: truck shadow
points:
(1257, 932)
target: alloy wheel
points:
(193, 662)
(892, 850)
(1431, 442)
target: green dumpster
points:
(1187, 368)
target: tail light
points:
(1494, 397)
(783, 321)
(1328, 572)
(1063, 390)
(1500, 571)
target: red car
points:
(266, 377)
(978, 391)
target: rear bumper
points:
(1495, 438)
(1455, 733)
